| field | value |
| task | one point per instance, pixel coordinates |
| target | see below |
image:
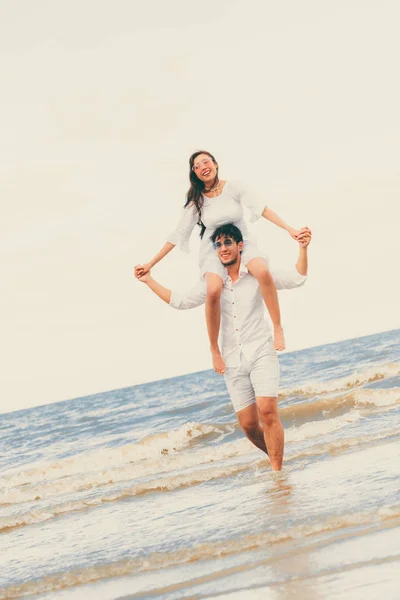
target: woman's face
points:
(205, 168)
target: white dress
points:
(225, 208)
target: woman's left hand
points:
(294, 233)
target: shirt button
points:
(237, 329)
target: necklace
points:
(213, 189)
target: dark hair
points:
(227, 230)
(195, 192)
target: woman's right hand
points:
(141, 270)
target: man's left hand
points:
(144, 278)
(304, 237)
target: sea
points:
(152, 491)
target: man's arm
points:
(302, 262)
(295, 277)
(191, 299)
(161, 291)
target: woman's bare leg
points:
(213, 318)
(259, 270)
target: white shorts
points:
(247, 382)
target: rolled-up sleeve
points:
(286, 280)
(191, 299)
(251, 200)
(180, 237)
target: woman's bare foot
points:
(279, 339)
(218, 361)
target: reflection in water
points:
(284, 506)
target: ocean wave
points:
(357, 379)
(337, 446)
(87, 482)
(167, 451)
(318, 428)
(359, 398)
(162, 484)
(212, 471)
(159, 453)
(390, 516)
(101, 461)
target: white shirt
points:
(225, 208)
(244, 328)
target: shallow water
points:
(153, 492)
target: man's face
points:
(228, 250)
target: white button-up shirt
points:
(244, 328)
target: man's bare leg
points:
(272, 430)
(250, 423)
(213, 318)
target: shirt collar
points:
(242, 271)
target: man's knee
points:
(214, 288)
(261, 272)
(264, 276)
(268, 412)
(250, 427)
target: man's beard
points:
(231, 262)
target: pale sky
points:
(102, 104)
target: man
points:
(252, 367)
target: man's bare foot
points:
(279, 340)
(218, 362)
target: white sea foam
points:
(359, 378)
(318, 428)
(376, 397)
(357, 398)
(180, 470)
(160, 484)
(102, 459)
(59, 482)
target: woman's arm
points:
(160, 255)
(141, 270)
(258, 209)
(271, 216)
(179, 237)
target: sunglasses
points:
(228, 242)
(202, 163)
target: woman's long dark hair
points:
(195, 192)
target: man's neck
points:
(234, 270)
